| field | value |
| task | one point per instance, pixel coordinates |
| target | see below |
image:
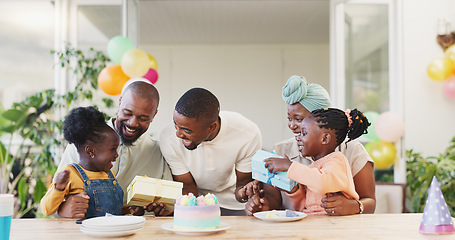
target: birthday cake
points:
(201, 213)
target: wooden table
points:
(365, 226)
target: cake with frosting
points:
(201, 213)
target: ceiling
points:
(221, 21)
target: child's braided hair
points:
(351, 123)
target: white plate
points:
(113, 228)
(109, 233)
(282, 218)
(170, 227)
(116, 229)
(113, 222)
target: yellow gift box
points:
(144, 190)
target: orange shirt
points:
(328, 174)
(53, 198)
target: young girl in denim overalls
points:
(97, 144)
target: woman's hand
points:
(337, 204)
(278, 164)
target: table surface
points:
(364, 226)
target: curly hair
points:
(84, 124)
(338, 120)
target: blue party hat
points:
(436, 216)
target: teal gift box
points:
(262, 174)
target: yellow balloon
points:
(450, 53)
(440, 69)
(383, 153)
(135, 63)
(153, 62)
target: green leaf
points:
(108, 102)
(14, 115)
(8, 129)
(22, 190)
(4, 158)
(39, 191)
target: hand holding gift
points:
(260, 172)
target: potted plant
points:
(31, 136)
(420, 172)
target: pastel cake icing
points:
(201, 213)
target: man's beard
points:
(122, 139)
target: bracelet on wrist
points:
(360, 206)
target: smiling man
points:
(210, 151)
(139, 154)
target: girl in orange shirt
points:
(97, 145)
(322, 131)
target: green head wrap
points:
(311, 96)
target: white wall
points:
(429, 114)
(245, 78)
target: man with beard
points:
(210, 151)
(138, 153)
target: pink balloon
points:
(449, 88)
(389, 127)
(151, 75)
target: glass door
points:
(365, 60)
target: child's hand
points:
(252, 188)
(62, 180)
(278, 164)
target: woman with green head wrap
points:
(302, 98)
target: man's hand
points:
(136, 211)
(158, 209)
(75, 206)
(252, 188)
(256, 204)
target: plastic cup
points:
(6, 213)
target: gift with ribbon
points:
(261, 173)
(144, 190)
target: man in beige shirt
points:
(139, 154)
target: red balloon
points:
(151, 75)
(111, 79)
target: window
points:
(26, 36)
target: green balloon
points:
(117, 46)
(372, 117)
(368, 146)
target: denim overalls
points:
(106, 195)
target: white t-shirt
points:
(213, 163)
(142, 158)
(354, 152)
